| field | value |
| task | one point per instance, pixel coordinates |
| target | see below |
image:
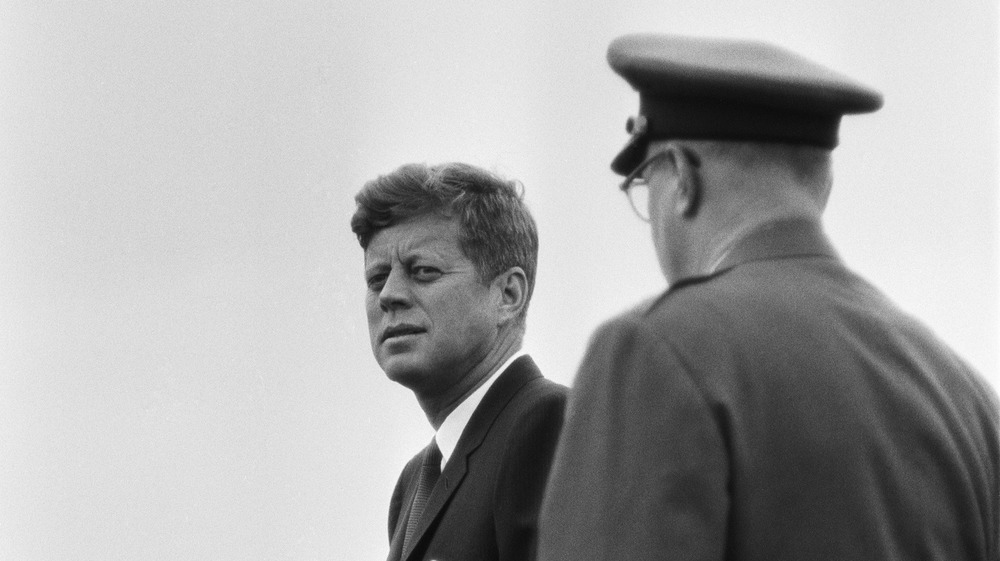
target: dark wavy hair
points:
(497, 231)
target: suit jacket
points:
(781, 408)
(485, 504)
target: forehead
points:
(429, 235)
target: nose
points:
(395, 293)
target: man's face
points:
(662, 181)
(430, 319)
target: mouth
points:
(400, 330)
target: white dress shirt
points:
(454, 424)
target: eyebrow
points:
(376, 266)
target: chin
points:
(405, 373)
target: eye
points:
(376, 281)
(423, 273)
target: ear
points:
(512, 286)
(689, 184)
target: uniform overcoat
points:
(781, 408)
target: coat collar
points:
(796, 237)
(519, 373)
(782, 239)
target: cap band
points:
(707, 119)
(699, 88)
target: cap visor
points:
(630, 156)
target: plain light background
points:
(185, 371)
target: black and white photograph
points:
(338, 280)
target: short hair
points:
(496, 230)
(809, 164)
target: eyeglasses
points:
(636, 186)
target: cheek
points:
(660, 208)
(373, 312)
(450, 315)
(655, 200)
(462, 315)
(372, 308)
(656, 226)
(659, 230)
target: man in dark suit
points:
(450, 254)
(772, 404)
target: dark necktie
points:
(430, 470)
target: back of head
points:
(762, 119)
(774, 169)
(497, 231)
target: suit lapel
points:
(520, 372)
(399, 532)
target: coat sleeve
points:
(521, 479)
(641, 470)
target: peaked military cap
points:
(726, 89)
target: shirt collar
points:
(451, 429)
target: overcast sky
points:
(185, 371)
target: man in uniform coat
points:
(450, 254)
(771, 405)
